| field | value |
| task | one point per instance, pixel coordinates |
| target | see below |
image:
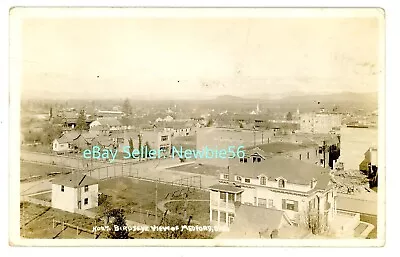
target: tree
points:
(131, 145)
(147, 146)
(209, 123)
(104, 209)
(140, 146)
(51, 113)
(117, 225)
(126, 107)
(81, 122)
(289, 116)
(314, 221)
(50, 132)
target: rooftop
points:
(293, 170)
(226, 188)
(253, 221)
(75, 180)
(276, 147)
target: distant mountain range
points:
(299, 97)
(306, 102)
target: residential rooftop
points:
(293, 170)
(75, 180)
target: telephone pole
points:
(156, 200)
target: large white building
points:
(300, 190)
(74, 192)
(320, 123)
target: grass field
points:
(45, 197)
(38, 148)
(197, 168)
(200, 211)
(138, 198)
(187, 142)
(37, 222)
(32, 171)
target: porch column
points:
(226, 199)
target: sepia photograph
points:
(246, 126)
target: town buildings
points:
(74, 192)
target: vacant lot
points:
(203, 169)
(45, 197)
(33, 171)
(187, 142)
(37, 222)
(138, 198)
(200, 211)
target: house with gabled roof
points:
(111, 123)
(64, 143)
(74, 192)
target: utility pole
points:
(156, 200)
(254, 137)
(262, 137)
(323, 149)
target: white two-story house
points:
(74, 192)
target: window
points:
(231, 217)
(259, 159)
(262, 202)
(300, 156)
(62, 188)
(86, 201)
(263, 180)
(231, 197)
(222, 217)
(241, 160)
(270, 203)
(255, 201)
(164, 138)
(316, 152)
(86, 188)
(289, 205)
(247, 180)
(222, 196)
(214, 215)
(226, 176)
(281, 183)
(308, 155)
(245, 160)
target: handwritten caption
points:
(154, 228)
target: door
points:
(79, 205)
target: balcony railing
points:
(223, 204)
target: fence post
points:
(77, 230)
(107, 171)
(62, 225)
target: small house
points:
(74, 192)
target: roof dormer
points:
(281, 182)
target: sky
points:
(198, 57)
